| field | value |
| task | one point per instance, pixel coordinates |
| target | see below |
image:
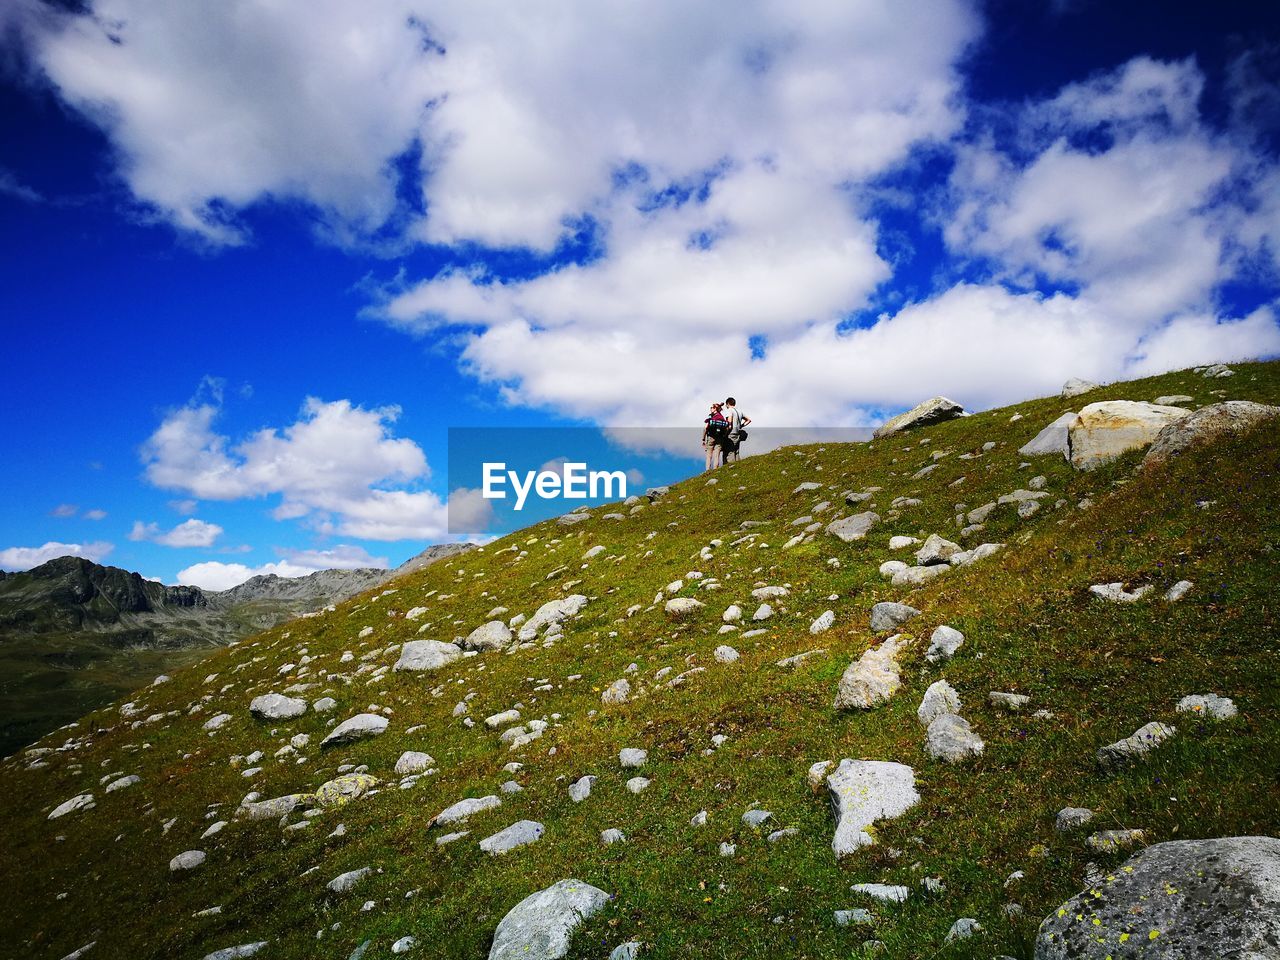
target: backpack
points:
(718, 429)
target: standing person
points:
(715, 436)
(737, 433)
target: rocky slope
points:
(76, 634)
(911, 698)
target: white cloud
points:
(95, 514)
(24, 558)
(189, 533)
(64, 510)
(338, 466)
(214, 575)
(184, 507)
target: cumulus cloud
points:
(189, 533)
(64, 510)
(95, 514)
(24, 558)
(214, 575)
(338, 466)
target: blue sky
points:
(254, 269)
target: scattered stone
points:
(680, 607)
(541, 926)
(1202, 704)
(756, 818)
(580, 789)
(856, 527)
(1178, 900)
(631, 757)
(891, 567)
(886, 616)
(849, 918)
(884, 892)
(823, 623)
(935, 410)
(611, 836)
(494, 635)
(360, 727)
(187, 860)
(1013, 702)
(1108, 841)
(519, 834)
(873, 678)
(963, 929)
(725, 654)
(460, 811)
(447, 838)
(504, 719)
(617, 692)
(234, 953)
(124, 782)
(419, 656)
(638, 784)
(1104, 431)
(404, 945)
(1072, 818)
(936, 550)
(342, 790)
(413, 761)
(1076, 386)
(273, 706)
(799, 658)
(216, 723)
(84, 801)
(1171, 399)
(1116, 593)
(864, 791)
(1215, 371)
(1178, 591)
(951, 739)
(939, 699)
(732, 614)
(324, 705)
(345, 882)
(943, 644)
(1135, 746)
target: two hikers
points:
(723, 430)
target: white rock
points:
(422, 655)
(864, 791)
(943, 644)
(940, 698)
(541, 926)
(519, 834)
(632, 757)
(360, 727)
(853, 528)
(460, 811)
(1208, 705)
(823, 623)
(273, 706)
(413, 761)
(725, 654)
(187, 860)
(82, 802)
(494, 635)
(1104, 431)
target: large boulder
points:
(360, 727)
(1206, 425)
(853, 528)
(936, 410)
(540, 926)
(1105, 430)
(1076, 386)
(494, 635)
(1052, 440)
(864, 791)
(887, 615)
(871, 679)
(1181, 900)
(421, 655)
(274, 706)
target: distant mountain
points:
(75, 634)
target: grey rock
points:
(625, 951)
(1072, 818)
(936, 550)
(404, 945)
(237, 952)
(1076, 386)
(1135, 746)
(552, 612)
(935, 410)
(884, 892)
(1173, 398)
(1104, 431)
(864, 791)
(413, 761)
(823, 622)
(360, 727)
(680, 607)
(494, 635)
(856, 527)
(951, 739)
(346, 882)
(129, 781)
(580, 789)
(1013, 702)
(273, 706)
(943, 644)
(418, 656)
(1207, 425)
(187, 860)
(611, 836)
(1116, 593)
(216, 723)
(541, 926)
(343, 789)
(1108, 841)
(849, 918)
(939, 699)
(887, 616)
(873, 678)
(725, 654)
(963, 929)
(1178, 591)
(324, 705)
(1203, 898)
(1200, 704)
(519, 834)
(756, 818)
(272, 809)
(916, 576)
(84, 801)
(617, 692)
(632, 757)
(782, 834)
(638, 784)
(460, 811)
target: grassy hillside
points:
(1031, 626)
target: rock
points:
(1178, 591)
(1215, 371)
(769, 593)
(916, 576)
(611, 836)
(1206, 425)
(871, 679)
(849, 918)
(732, 614)
(963, 929)
(1076, 386)
(823, 623)
(273, 706)
(1135, 746)
(360, 727)
(1108, 841)
(84, 801)
(1180, 900)
(891, 567)
(725, 654)
(413, 761)
(272, 809)
(494, 635)
(130, 780)
(680, 607)
(782, 834)
(580, 789)
(1104, 431)
(888, 616)
(216, 723)
(503, 719)
(936, 550)
(460, 811)
(940, 698)
(404, 945)
(638, 784)
(540, 926)
(1116, 593)
(324, 705)
(1202, 704)
(187, 860)
(1013, 702)
(342, 790)
(951, 739)
(763, 612)
(631, 757)
(935, 410)
(943, 644)
(519, 834)
(728, 849)
(980, 552)
(1072, 818)
(617, 692)
(901, 543)
(853, 528)
(422, 655)
(346, 882)
(884, 892)
(864, 791)
(234, 953)
(755, 819)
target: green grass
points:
(1030, 626)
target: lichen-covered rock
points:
(1135, 746)
(934, 410)
(541, 925)
(871, 679)
(864, 791)
(1206, 705)
(1181, 900)
(1104, 431)
(1206, 425)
